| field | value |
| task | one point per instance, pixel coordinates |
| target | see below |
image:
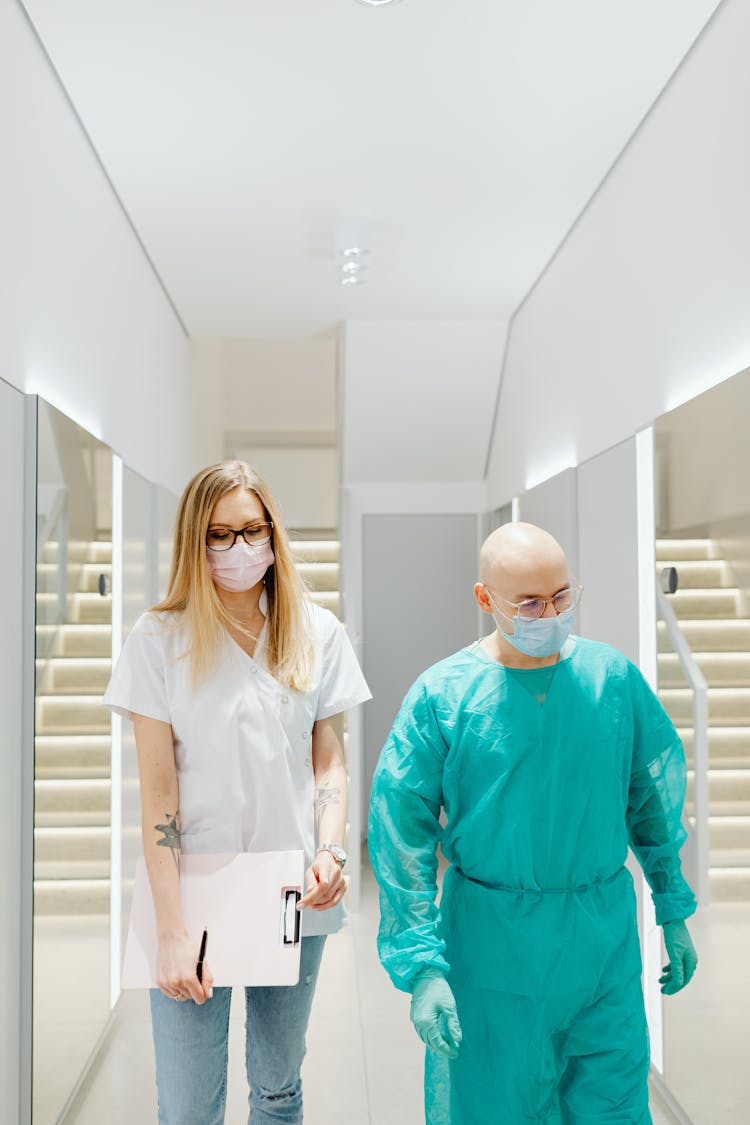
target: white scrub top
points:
(242, 740)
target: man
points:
(548, 755)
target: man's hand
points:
(434, 1015)
(326, 885)
(682, 957)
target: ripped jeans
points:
(191, 1040)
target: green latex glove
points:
(434, 1015)
(682, 957)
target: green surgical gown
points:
(544, 778)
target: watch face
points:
(338, 853)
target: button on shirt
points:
(241, 738)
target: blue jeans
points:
(191, 1042)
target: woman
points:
(231, 683)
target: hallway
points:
(364, 1061)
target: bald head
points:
(520, 560)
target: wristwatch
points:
(336, 851)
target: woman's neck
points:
(243, 606)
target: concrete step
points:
(72, 756)
(726, 787)
(77, 640)
(682, 549)
(726, 706)
(99, 551)
(87, 869)
(721, 858)
(69, 843)
(700, 574)
(729, 832)
(732, 635)
(47, 578)
(730, 884)
(71, 714)
(721, 669)
(72, 802)
(315, 550)
(90, 609)
(728, 747)
(706, 604)
(329, 600)
(78, 675)
(81, 609)
(320, 576)
(71, 896)
(78, 551)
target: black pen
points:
(201, 955)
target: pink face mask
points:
(241, 567)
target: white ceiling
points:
(464, 135)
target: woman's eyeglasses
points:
(224, 538)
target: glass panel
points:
(137, 595)
(703, 517)
(72, 758)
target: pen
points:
(201, 955)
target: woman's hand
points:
(176, 964)
(326, 885)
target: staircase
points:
(317, 556)
(72, 786)
(707, 606)
(72, 769)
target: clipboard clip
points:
(291, 919)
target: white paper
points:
(239, 899)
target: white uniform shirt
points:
(242, 740)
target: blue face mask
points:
(540, 636)
(543, 637)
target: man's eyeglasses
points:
(224, 538)
(532, 608)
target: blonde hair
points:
(192, 592)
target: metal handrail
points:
(697, 682)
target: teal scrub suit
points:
(545, 777)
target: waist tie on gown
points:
(572, 890)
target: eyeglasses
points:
(532, 608)
(224, 538)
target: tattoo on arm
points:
(171, 834)
(325, 795)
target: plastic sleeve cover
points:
(656, 795)
(403, 834)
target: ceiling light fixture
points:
(377, 3)
(353, 265)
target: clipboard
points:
(247, 902)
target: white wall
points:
(607, 505)
(275, 405)
(553, 505)
(279, 384)
(646, 303)
(86, 323)
(418, 399)
(304, 482)
(705, 447)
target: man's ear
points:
(480, 596)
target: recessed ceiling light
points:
(352, 279)
(377, 3)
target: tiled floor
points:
(364, 1063)
(707, 1026)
